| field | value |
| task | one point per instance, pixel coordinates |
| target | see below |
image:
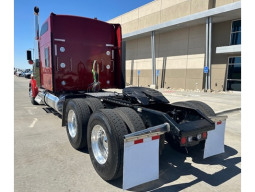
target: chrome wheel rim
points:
(99, 144)
(72, 123)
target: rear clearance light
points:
(204, 135)
(183, 140)
(199, 136)
(190, 138)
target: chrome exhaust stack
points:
(36, 13)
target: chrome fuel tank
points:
(55, 102)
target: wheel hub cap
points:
(72, 123)
(99, 144)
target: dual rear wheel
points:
(101, 131)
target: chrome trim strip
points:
(151, 131)
(62, 40)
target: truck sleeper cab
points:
(79, 54)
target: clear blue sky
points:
(104, 10)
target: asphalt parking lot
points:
(45, 161)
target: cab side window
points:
(46, 51)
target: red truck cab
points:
(79, 54)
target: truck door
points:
(46, 67)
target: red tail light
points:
(183, 140)
(204, 135)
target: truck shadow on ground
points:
(51, 110)
(214, 170)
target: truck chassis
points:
(100, 121)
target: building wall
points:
(180, 54)
(183, 52)
(159, 11)
(219, 3)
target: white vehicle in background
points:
(28, 74)
(20, 73)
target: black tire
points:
(203, 107)
(133, 121)
(94, 104)
(82, 115)
(114, 128)
(32, 99)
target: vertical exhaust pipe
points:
(36, 13)
(36, 70)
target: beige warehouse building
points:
(187, 44)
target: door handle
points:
(71, 62)
(112, 65)
(102, 65)
(57, 63)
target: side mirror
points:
(29, 55)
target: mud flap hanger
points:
(141, 155)
(152, 131)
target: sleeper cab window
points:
(44, 28)
(46, 52)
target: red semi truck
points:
(77, 60)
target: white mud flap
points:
(141, 161)
(141, 156)
(214, 144)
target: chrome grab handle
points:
(112, 65)
(112, 54)
(149, 132)
(57, 63)
(71, 62)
